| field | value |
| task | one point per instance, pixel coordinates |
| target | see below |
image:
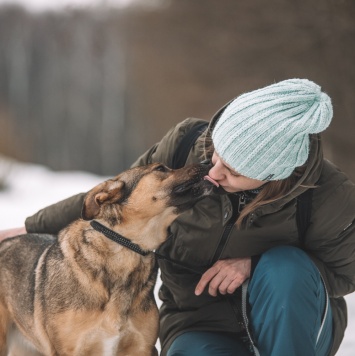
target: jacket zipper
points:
(242, 202)
(238, 203)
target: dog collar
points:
(116, 237)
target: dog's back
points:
(18, 261)
(69, 299)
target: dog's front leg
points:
(141, 334)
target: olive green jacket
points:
(196, 234)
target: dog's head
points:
(144, 201)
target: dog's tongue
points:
(211, 180)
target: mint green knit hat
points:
(264, 134)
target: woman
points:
(246, 242)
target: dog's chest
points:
(110, 345)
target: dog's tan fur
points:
(71, 295)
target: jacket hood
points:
(313, 165)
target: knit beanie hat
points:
(264, 134)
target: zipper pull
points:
(242, 202)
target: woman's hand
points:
(5, 234)
(225, 276)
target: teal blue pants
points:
(290, 314)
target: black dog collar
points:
(116, 237)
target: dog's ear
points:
(109, 191)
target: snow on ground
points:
(45, 5)
(29, 188)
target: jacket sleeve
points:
(55, 217)
(330, 239)
(163, 151)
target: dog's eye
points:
(161, 168)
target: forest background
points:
(92, 88)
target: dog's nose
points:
(206, 162)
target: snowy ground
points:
(31, 187)
(43, 5)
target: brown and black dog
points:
(82, 293)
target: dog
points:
(81, 293)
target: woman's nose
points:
(216, 172)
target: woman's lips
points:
(211, 180)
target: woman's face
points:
(230, 180)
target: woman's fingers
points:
(205, 279)
(225, 276)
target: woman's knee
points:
(286, 293)
(286, 266)
(286, 260)
(287, 255)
